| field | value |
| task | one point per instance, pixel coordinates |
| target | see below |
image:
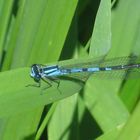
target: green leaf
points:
(19, 97)
(101, 37)
(5, 11)
(131, 130)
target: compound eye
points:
(32, 74)
(35, 72)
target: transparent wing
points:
(100, 62)
(113, 74)
(133, 73)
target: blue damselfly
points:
(113, 68)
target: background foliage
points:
(47, 31)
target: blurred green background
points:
(47, 31)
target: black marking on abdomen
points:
(84, 69)
(102, 69)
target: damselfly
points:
(113, 68)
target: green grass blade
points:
(45, 121)
(130, 97)
(124, 30)
(4, 18)
(13, 37)
(130, 38)
(65, 111)
(131, 130)
(100, 99)
(101, 37)
(113, 134)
